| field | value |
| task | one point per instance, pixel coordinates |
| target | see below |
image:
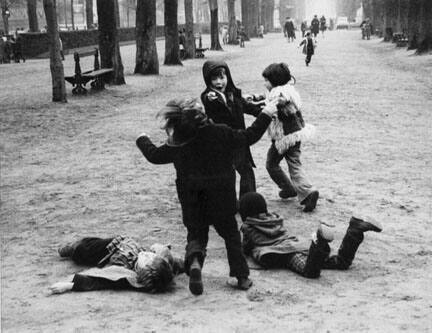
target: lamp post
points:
(5, 15)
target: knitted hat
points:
(277, 74)
(252, 204)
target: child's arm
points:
(252, 107)
(155, 155)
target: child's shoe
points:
(244, 283)
(195, 282)
(363, 226)
(67, 250)
(310, 201)
(285, 194)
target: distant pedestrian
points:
(2, 50)
(287, 131)
(17, 49)
(303, 28)
(224, 33)
(289, 29)
(261, 31)
(241, 34)
(308, 47)
(323, 25)
(315, 25)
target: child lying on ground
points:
(121, 264)
(270, 244)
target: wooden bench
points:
(199, 51)
(400, 39)
(98, 76)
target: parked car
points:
(342, 23)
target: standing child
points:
(202, 153)
(270, 244)
(308, 47)
(224, 104)
(286, 131)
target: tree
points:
(425, 28)
(189, 26)
(146, 52)
(214, 26)
(5, 15)
(72, 14)
(32, 15)
(56, 65)
(172, 52)
(108, 22)
(89, 13)
(232, 23)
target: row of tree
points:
(411, 17)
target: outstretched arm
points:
(156, 155)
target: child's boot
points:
(195, 282)
(244, 283)
(68, 250)
(310, 201)
(351, 242)
(318, 251)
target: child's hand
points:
(270, 108)
(212, 96)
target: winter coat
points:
(264, 238)
(288, 127)
(315, 24)
(308, 45)
(205, 174)
(228, 108)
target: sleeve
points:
(252, 108)
(253, 133)
(247, 243)
(156, 155)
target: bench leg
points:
(79, 90)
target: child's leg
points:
(350, 243)
(228, 230)
(298, 177)
(247, 178)
(197, 239)
(276, 173)
(89, 251)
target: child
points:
(286, 131)
(308, 47)
(224, 104)
(270, 244)
(122, 264)
(202, 153)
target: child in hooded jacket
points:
(308, 47)
(224, 104)
(270, 244)
(287, 130)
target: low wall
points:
(36, 43)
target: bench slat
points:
(97, 72)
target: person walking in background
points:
(323, 25)
(241, 35)
(303, 28)
(270, 244)
(308, 47)
(289, 30)
(287, 130)
(315, 25)
(224, 33)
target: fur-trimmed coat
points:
(288, 127)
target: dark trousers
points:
(308, 58)
(90, 250)
(247, 178)
(197, 239)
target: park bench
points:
(199, 51)
(98, 76)
(400, 39)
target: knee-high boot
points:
(319, 251)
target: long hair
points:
(182, 118)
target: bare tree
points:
(5, 15)
(56, 65)
(214, 26)
(425, 28)
(108, 22)
(172, 51)
(89, 13)
(190, 38)
(32, 15)
(72, 14)
(146, 52)
(232, 23)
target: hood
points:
(268, 223)
(209, 66)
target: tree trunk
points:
(425, 28)
(189, 26)
(56, 65)
(108, 23)
(413, 23)
(172, 52)
(245, 19)
(5, 17)
(232, 23)
(146, 52)
(72, 15)
(89, 14)
(214, 26)
(32, 15)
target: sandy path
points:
(73, 170)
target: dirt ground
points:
(73, 170)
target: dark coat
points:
(232, 111)
(267, 241)
(205, 174)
